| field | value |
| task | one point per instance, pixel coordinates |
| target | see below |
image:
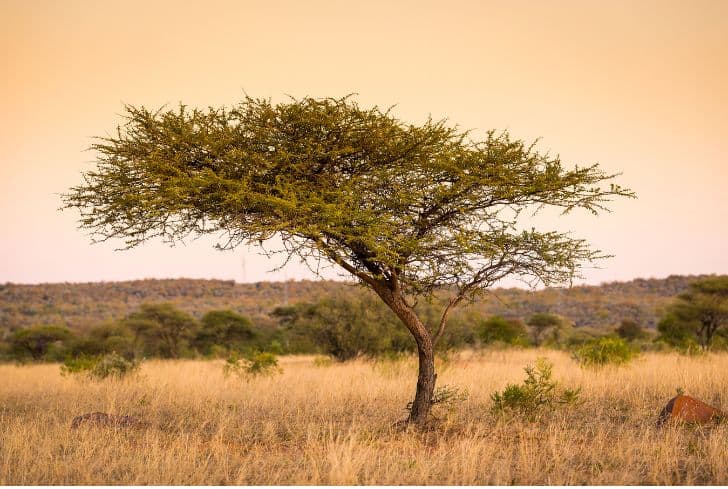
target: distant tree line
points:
(348, 326)
(84, 305)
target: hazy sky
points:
(640, 87)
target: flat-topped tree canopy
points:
(407, 209)
(358, 187)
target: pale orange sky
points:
(640, 87)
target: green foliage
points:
(322, 361)
(698, 315)
(540, 323)
(105, 338)
(275, 347)
(345, 328)
(223, 328)
(678, 334)
(537, 394)
(605, 351)
(574, 337)
(113, 365)
(78, 364)
(253, 364)
(164, 329)
(409, 210)
(86, 305)
(500, 330)
(100, 367)
(36, 341)
(353, 186)
(630, 330)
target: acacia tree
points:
(702, 310)
(223, 328)
(406, 209)
(540, 323)
(36, 340)
(163, 324)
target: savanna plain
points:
(328, 423)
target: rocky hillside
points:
(81, 305)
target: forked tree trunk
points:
(426, 376)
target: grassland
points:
(333, 425)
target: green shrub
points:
(254, 364)
(100, 367)
(222, 328)
(79, 364)
(605, 351)
(630, 330)
(540, 323)
(537, 394)
(37, 341)
(497, 329)
(114, 365)
(276, 347)
(678, 334)
(345, 328)
(322, 361)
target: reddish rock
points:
(683, 408)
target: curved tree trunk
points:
(425, 381)
(426, 377)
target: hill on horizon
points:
(82, 305)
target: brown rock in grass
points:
(682, 408)
(107, 420)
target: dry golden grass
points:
(333, 425)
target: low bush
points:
(79, 364)
(100, 367)
(322, 361)
(254, 364)
(605, 351)
(502, 332)
(538, 393)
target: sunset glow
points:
(641, 89)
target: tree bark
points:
(425, 382)
(426, 376)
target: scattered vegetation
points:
(699, 315)
(536, 395)
(100, 367)
(351, 323)
(630, 330)
(322, 361)
(605, 351)
(36, 342)
(540, 323)
(85, 305)
(310, 428)
(345, 328)
(498, 330)
(253, 364)
(223, 329)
